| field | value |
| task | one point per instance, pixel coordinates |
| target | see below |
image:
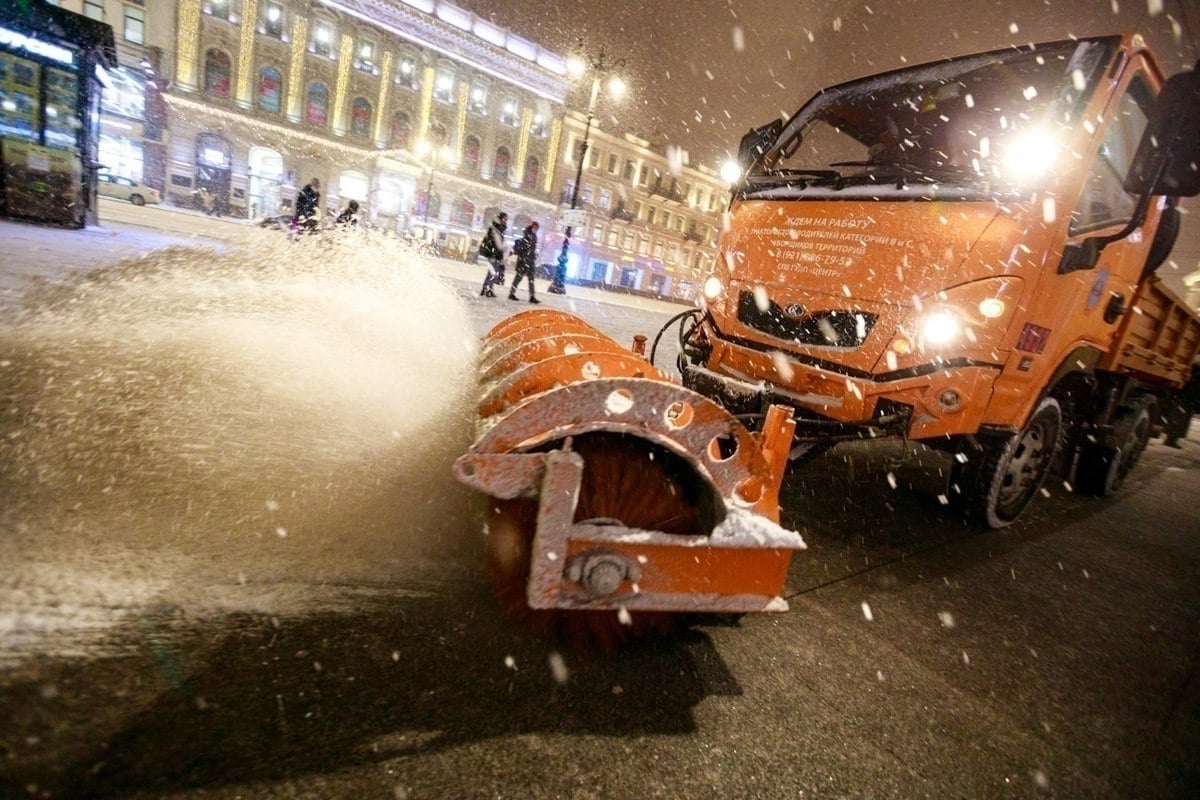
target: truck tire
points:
(1103, 467)
(1001, 475)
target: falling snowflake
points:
(558, 667)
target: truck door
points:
(1104, 207)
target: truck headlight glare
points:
(940, 327)
(712, 287)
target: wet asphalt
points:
(155, 649)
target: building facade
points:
(432, 118)
(652, 221)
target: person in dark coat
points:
(349, 215)
(491, 247)
(526, 250)
(307, 203)
(1180, 407)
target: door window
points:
(1104, 202)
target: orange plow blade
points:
(614, 488)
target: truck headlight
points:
(713, 287)
(940, 327)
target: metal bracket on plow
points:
(603, 564)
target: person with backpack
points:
(491, 247)
(526, 251)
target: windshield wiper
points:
(801, 178)
(897, 171)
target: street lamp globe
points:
(616, 87)
(731, 171)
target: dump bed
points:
(1158, 339)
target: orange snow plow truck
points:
(963, 254)
(960, 253)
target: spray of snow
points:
(293, 399)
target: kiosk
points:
(52, 66)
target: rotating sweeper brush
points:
(618, 499)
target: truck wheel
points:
(1103, 468)
(1000, 476)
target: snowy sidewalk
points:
(30, 253)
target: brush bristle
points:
(625, 479)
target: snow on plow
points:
(613, 487)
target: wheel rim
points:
(1026, 467)
(1131, 448)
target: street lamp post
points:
(599, 67)
(426, 150)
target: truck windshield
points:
(967, 127)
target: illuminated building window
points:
(401, 130)
(406, 72)
(502, 164)
(538, 128)
(135, 25)
(216, 73)
(471, 150)
(443, 88)
(477, 102)
(316, 110)
(508, 113)
(270, 86)
(533, 169)
(364, 57)
(360, 117)
(94, 9)
(322, 42)
(222, 9)
(462, 212)
(272, 21)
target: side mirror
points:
(755, 143)
(1167, 161)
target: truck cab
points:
(949, 253)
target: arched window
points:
(317, 110)
(401, 130)
(270, 84)
(216, 73)
(471, 149)
(360, 117)
(429, 205)
(530, 178)
(437, 134)
(502, 164)
(464, 210)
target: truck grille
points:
(823, 328)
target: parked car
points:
(282, 222)
(125, 189)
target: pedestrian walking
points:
(491, 247)
(307, 203)
(526, 250)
